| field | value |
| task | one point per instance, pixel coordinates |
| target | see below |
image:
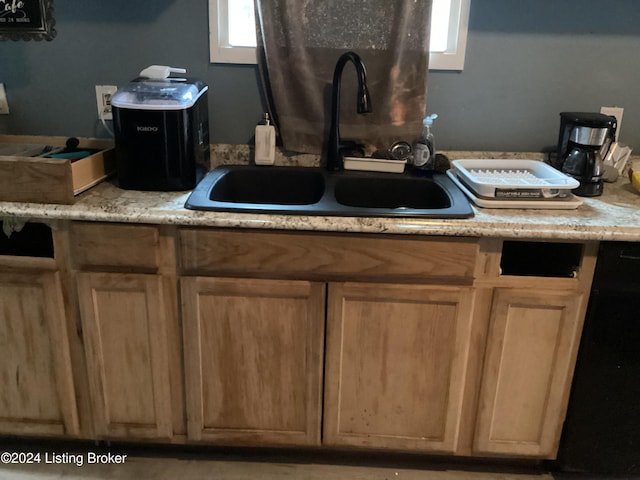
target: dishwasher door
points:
(602, 430)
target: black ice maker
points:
(161, 128)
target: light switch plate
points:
(4, 104)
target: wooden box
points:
(50, 180)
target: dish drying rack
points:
(509, 176)
(519, 183)
(514, 179)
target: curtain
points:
(299, 42)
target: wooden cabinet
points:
(396, 364)
(433, 344)
(253, 358)
(436, 352)
(124, 321)
(396, 354)
(531, 346)
(540, 292)
(126, 286)
(37, 394)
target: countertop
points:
(613, 216)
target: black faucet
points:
(334, 157)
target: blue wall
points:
(526, 61)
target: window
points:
(232, 36)
(449, 21)
(232, 45)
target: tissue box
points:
(25, 177)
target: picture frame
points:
(27, 20)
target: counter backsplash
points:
(228, 154)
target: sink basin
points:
(280, 186)
(315, 191)
(393, 192)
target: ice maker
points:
(161, 129)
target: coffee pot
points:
(582, 144)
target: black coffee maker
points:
(584, 141)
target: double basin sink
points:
(315, 191)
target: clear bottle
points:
(424, 153)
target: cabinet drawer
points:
(327, 256)
(134, 247)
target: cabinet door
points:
(36, 384)
(396, 365)
(253, 358)
(531, 348)
(124, 323)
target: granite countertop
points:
(613, 216)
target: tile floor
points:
(178, 464)
(142, 468)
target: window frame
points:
(220, 50)
(453, 57)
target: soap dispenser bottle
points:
(424, 153)
(265, 152)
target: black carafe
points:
(584, 163)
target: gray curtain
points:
(299, 42)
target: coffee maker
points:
(583, 142)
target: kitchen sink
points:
(315, 191)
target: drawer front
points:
(134, 247)
(327, 256)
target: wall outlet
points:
(4, 104)
(103, 100)
(616, 112)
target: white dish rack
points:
(559, 203)
(513, 179)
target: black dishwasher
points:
(602, 430)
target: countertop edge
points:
(486, 223)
